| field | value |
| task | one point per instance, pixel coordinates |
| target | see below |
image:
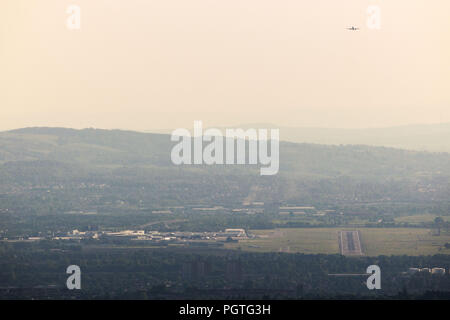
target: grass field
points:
(420, 218)
(375, 241)
(398, 241)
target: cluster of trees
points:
(167, 274)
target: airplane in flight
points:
(353, 28)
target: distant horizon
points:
(418, 137)
(239, 125)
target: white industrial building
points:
(438, 271)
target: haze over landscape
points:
(361, 172)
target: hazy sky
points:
(147, 64)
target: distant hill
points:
(88, 146)
(132, 163)
(414, 137)
(435, 137)
(117, 148)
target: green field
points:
(375, 241)
(421, 218)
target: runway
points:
(349, 243)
